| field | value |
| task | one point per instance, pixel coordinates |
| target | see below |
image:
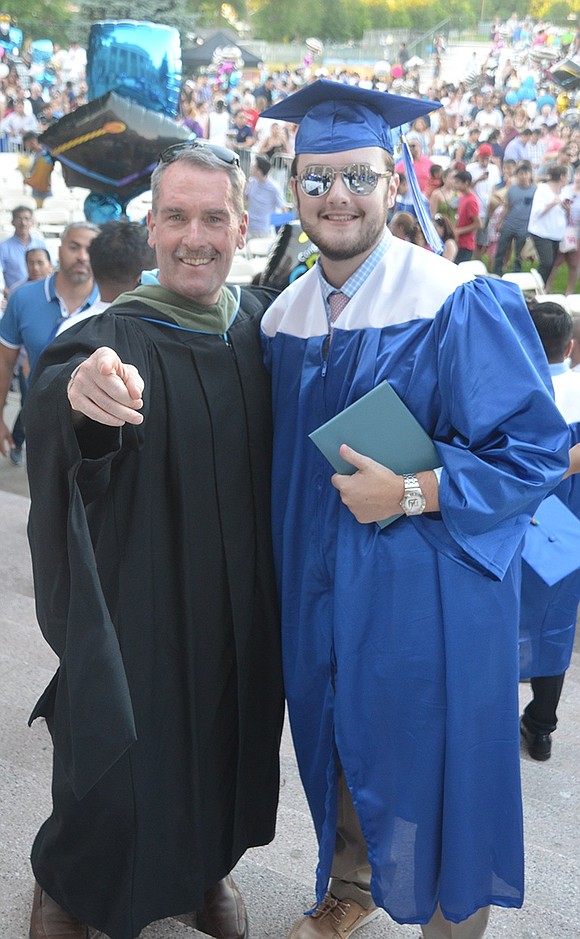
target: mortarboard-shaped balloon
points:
(111, 145)
(333, 116)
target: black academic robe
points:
(154, 585)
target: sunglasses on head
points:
(222, 153)
(359, 178)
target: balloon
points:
(566, 73)
(140, 61)
(292, 254)
(314, 45)
(42, 50)
(47, 78)
(511, 98)
(230, 56)
(562, 102)
(100, 208)
(397, 71)
(4, 70)
(11, 39)
(111, 145)
(545, 99)
(382, 68)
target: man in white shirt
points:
(18, 122)
(488, 119)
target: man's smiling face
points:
(342, 225)
(195, 231)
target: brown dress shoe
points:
(223, 914)
(50, 921)
(333, 919)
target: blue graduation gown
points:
(401, 646)
(548, 614)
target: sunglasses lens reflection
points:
(359, 178)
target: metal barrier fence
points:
(7, 145)
(280, 172)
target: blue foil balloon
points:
(100, 208)
(42, 50)
(141, 61)
(545, 99)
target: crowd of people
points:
(29, 102)
(522, 157)
(520, 151)
(501, 186)
(181, 516)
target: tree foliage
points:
(40, 19)
(333, 21)
(345, 20)
(556, 11)
(168, 12)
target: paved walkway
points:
(277, 881)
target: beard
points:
(79, 277)
(339, 247)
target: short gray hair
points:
(89, 226)
(203, 158)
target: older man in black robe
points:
(148, 432)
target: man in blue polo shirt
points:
(35, 310)
(13, 250)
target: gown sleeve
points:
(87, 705)
(502, 441)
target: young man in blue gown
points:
(401, 644)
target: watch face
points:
(413, 502)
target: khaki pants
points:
(351, 875)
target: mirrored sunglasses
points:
(222, 153)
(359, 178)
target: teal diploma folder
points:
(381, 427)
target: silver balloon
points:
(382, 68)
(314, 45)
(228, 54)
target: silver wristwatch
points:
(413, 501)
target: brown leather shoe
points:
(50, 921)
(333, 919)
(223, 914)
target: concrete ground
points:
(277, 881)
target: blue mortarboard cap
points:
(552, 541)
(333, 116)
